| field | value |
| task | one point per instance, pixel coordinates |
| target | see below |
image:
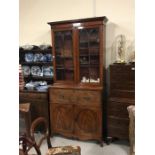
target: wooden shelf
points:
(32, 91)
(89, 65)
(36, 63)
(37, 51)
(88, 48)
(39, 77)
(87, 55)
(64, 57)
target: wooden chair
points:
(25, 113)
(25, 144)
(60, 150)
(40, 121)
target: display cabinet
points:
(76, 97)
(37, 68)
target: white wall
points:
(34, 15)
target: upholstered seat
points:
(131, 110)
(64, 150)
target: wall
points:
(34, 15)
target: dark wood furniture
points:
(24, 113)
(40, 122)
(59, 150)
(39, 103)
(122, 94)
(76, 96)
(38, 99)
(26, 143)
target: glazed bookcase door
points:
(64, 55)
(89, 55)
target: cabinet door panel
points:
(88, 122)
(62, 118)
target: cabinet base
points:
(98, 141)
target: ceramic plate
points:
(49, 57)
(36, 71)
(29, 57)
(47, 70)
(26, 70)
(38, 57)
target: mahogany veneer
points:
(122, 94)
(76, 96)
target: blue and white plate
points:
(26, 70)
(29, 57)
(49, 57)
(38, 57)
(47, 71)
(36, 71)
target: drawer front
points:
(82, 97)
(118, 132)
(121, 73)
(62, 96)
(123, 93)
(86, 97)
(119, 77)
(118, 122)
(117, 127)
(122, 85)
(118, 109)
(35, 96)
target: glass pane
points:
(64, 55)
(89, 55)
(60, 74)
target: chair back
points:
(45, 133)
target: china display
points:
(37, 68)
(76, 96)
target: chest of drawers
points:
(121, 95)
